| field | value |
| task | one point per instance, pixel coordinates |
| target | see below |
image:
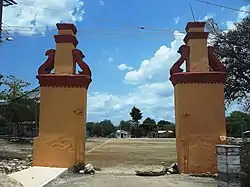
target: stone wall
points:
(229, 165)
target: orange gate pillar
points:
(63, 96)
(199, 102)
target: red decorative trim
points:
(77, 58)
(198, 77)
(194, 25)
(53, 80)
(184, 51)
(66, 39)
(66, 26)
(214, 63)
(48, 65)
(195, 35)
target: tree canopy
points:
(233, 49)
(136, 115)
(237, 122)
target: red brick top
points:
(195, 35)
(66, 39)
(194, 25)
(198, 77)
(66, 26)
(53, 80)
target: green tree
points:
(136, 115)
(233, 49)
(167, 126)
(107, 128)
(97, 130)
(89, 127)
(17, 106)
(148, 125)
(1, 77)
(236, 123)
(164, 125)
(125, 125)
(15, 88)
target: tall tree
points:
(233, 49)
(136, 115)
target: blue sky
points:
(130, 66)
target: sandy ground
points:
(118, 160)
(12, 150)
(130, 152)
(108, 180)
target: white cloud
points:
(244, 14)
(177, 19)
(209, 15)
(155, 100)
(42, 13)
(230, 25)
(124, 67)
(157, 68)
(241, 15)
(110, 59)
(153, 92)
(101, 3)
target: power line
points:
(222, 6)
(29, 4)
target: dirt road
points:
(108, 180)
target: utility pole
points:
(4, 3)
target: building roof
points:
(122, 131)
(160, 132)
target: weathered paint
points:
(199, 109)
(62, 131)
(61, 140)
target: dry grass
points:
(128, 152)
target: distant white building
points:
(164, 134)
(121, 134)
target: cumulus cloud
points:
(241, 15)
(155, 100)
(41, 13)
(153, 92)
(124, 67)
(157, 68)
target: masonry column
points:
(199, 102)
(63, 100)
